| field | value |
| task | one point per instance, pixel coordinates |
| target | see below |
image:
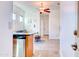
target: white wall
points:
(54, 22)
(17, 25)
(5, 29)
(32, 18)
(68, 17)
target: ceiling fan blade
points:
(47, 11)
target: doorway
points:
(44, 26)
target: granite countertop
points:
(22, 32)
(18, 33)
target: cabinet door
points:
(29, 46)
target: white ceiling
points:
(37, 3)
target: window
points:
(17, 17)
(21, 19)
(14, 16)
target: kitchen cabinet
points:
(23, 43)
(29, 46)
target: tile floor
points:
(46, 48)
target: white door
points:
(5, 29)
(68, 25)
(77, 39)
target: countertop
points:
(18, 33)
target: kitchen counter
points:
(17, 33)
(28, 37)
(21, 35)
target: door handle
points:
(74, 47)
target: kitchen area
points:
(22, 39)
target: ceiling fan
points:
(43, 9)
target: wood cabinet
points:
(29, 46)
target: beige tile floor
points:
(46, 48)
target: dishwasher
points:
(19, 46)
